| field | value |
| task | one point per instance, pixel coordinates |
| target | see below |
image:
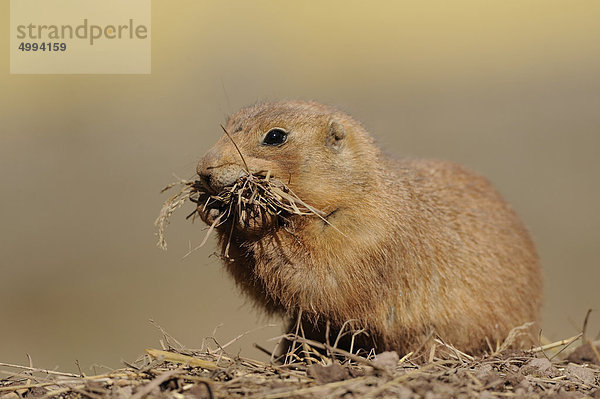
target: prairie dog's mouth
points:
(203, 184)
(252, 205)
(247, 204)
(254, 202)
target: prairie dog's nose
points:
(208, 162)
(218, 171)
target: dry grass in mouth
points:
(252, 194)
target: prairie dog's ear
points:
(335, 135)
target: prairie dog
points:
(418, 245)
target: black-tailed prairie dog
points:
(406, 247)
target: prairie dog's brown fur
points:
(426, 245)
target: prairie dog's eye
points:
(275, 137)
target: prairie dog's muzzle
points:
(218, 172)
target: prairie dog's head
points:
(316, 150)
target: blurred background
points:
(509, 88)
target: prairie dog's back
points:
(469, 261)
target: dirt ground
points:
(564, 369)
